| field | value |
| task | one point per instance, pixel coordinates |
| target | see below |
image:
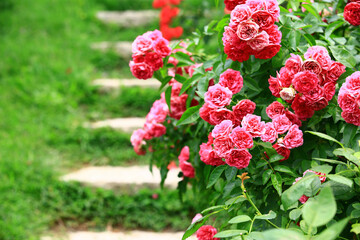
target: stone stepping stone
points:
(123, 178)
(131, 235)
(109, 84)
(123, 124)
(123, 49)
(128, 18)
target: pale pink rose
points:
(153, 35)
(241, 138)
(247, 30)
(142, 44)
(222, 130)
(294, 137)
(197, 217)
(259, 42)
(218, 96)
(239, 14)
(231, 79)
(281, 123)
(158, 112)
(239, 158)
(253, 125)
(288, 94)
(294, 63)
(137, 141)
(270, 134)
(223, 147)
(353, 81)
(274, 109)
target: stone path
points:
(123, 49)
(122, 124)
(132, 235)
(124, 178)
(128, 18)
(111, 84)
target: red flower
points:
(305, 81)
(263, 18)
(141, 70)
(206, 232)
(281, 123)
(218, 96)
(241, 138)
(243, 108)
(352, 13)
(282, 150)
(219, 115)
(275, 109)
(239, 158)
(208, 155)
(294, 138)
(231, 79)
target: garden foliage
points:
(266, 131)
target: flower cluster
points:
(231, 4)
(282, 121)
(166, 15)
(153, 126)
(349, 99)
(352, 12)
(219, 95)
(252, 31)
(322, 176)
(308, 85)
(148, 51)
(186, 167)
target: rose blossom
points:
(288, 94)
(161, 46)
(187, 169)
(178, 106)
(208, 155)
(301, 108)
(240, 13)
(274, 34)
(158, 112)
(222, 130)
(321, 175)
(274, 86)
(319, 54)
(347, 102)
(270, 134)
(274, 109)
(294, 138)
(352, 13)
(242, 108)
(141, 44)
(293, 118)
(239, 158)
(204, 112)
(184, 154)
(263, 18)
(352, 117)
(247, 30)
(305, 81)
(294, 63)
(241, 138)
(335, 71)
(137, 141)
(282, 150)
(223, 147)
(253, 125)
(219, 115)
(268, 52)
(218, 96)
(312, 66)
(231, 79)
(353, 81)
(196, 218)
(231, 4)
(154, 60)
(259, 42)
(154, 129)
(329, 90)
(206, 232)
(141, 70)
(281, 124)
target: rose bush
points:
(265, 132)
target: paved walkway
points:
(122, 124)
(128, 18)
(112, 84)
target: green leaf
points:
(266, 176)
(229, 233)
(194, 227)
(235, 200)
(168, 97)
(341, 179)
(294, 38)
(276, 157)
(277, 182)
(355, 214)
(282, 234)
(312, 10)
(313, 187)
(348, 153)
(240, 219)
(342, 55)
(186, 85)
(321, 209)
(230, 173)
(295, 214)
(332, 232)
(349, 133)
(189, 116)
(330, 161)
(184, 59)
(212, 208)
(332, 27)
(310, 39)
(215, 175)
(327, 137)
(270, 215)
(355, 228)
(292, 195)
(284, 169)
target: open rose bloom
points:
(252, 30)
(307, 84)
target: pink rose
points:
(322, 176)
(281, 123)
(153, 35)
(274, 34)
(141, 44)
(196, 218)
(335, 71)
(204, 112)
(208, 155)
(137, 141)
(223, 147)
(154, 129)
(268, 52)
(232, 80)
(219, 115)
(270, 134)
(312, 66)
(187, 169)
(352, 13)
(294, 63)
(263, 19)
(274, 86)
(274, 109)
(329, 90)
(253, 125)
(158, 112)
(347, 102)
(305, 81)
(241, 138)
(259, 42)
(243, 108)
(184, 154)
(161, 46)
(222, 130)
(178, 106)
(293, 118)
(239, 158)
(206, 232)
(352, 117)
(247, 30)
(154, 60)
(239, 14)
(353, 81)
(141, 70)
(294, 138)
(301, 108)
(320, 54)
(218, 96)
